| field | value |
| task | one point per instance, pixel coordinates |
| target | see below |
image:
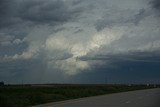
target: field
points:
(27, 95)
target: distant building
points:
(1, 83)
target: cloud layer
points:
(74, 36)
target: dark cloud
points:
(3, 7)
(138, 56)
(138, 17)
(19, 17)
(156, 4)
(52, 11)
(124, 70)
(115, 18)
(79, 30)
(75, 2)
(37, 12)
(5, 13)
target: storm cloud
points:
(54, 40)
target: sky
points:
(80, 41)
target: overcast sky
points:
(80, 41)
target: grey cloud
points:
(36, 12)
(79, 30)
(20, 18)
(6, 43)
(52, 11)
(7, 13)
(155, 4)
(5, 40)
(121, 18)
(131, 56)
(4, 37)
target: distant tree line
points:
(1, 83)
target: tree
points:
(1, 83)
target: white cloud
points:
(19, 41)
(72, 66)
(62, 42)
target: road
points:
(140, 98)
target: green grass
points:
(24, 96)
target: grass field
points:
(27, 95)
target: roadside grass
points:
(24, 96)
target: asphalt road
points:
(140, 98)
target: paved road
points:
(141, 98)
